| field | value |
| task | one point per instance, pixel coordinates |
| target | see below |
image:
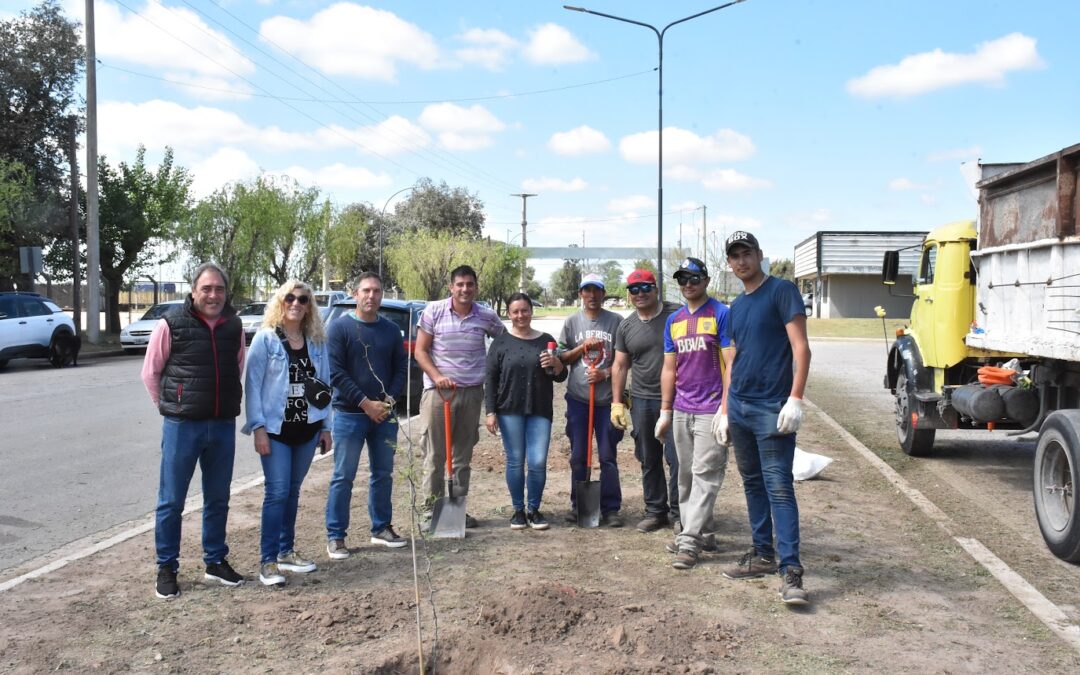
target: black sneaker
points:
(224, 573)
(518, 521)
(791, 589)
(571, 516)
(166, 583)
(470, 522)
(537, 521)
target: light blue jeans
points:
(184, 443)
(285, 468)
(525, 438)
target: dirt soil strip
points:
(1046, 611)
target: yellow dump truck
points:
(994, 336)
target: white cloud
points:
(393, 135)
(730, 180)
(460, 128)
(487, 47)
(903, 183)
(730, 223)
(631, 204)
(685, 147)
(211, 88)
(350, 39)
(547, 184)
(928, 200)
(157, 38)
(339, 176)
(583, 140)
(955, 154)
(553, 44)
(933, 70)
(226, 165)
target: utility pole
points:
(93, 243)
(524, 237)
(704, 235)
(76, 276)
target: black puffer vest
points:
(201, 378)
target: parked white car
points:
(33, 326)
(135, 336)
(251, 315)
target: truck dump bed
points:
(1028, 260)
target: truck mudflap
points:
(904, 356)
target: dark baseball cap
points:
(741, 238)
(691, 266)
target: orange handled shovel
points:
(448, 516)
(588, 490)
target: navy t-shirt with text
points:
(757, 325)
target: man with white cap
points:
(592, 331)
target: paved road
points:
(79, 452)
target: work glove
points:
(618, 416)
(790, 417)
(662, 425)
(720, 428)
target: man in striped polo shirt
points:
(450, 350)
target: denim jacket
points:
(266, 382)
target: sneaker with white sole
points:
(270, 575)
(167, 587)
(223, 573)
(294, 562)
(388, 538)
(518, 521)
(335, 548)
(791, 588)
(537, 521)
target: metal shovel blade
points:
(448, 518)
(588, 503)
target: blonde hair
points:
(311, 325)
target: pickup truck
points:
(994, 336)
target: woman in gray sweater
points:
(517, 395)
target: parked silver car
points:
(135, 336)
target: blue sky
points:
(783, 117)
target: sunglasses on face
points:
(641, 288)
(290, 299)
(691, 279)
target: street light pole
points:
(660, 121)
(524, 240)
(382, 217)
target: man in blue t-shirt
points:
(762, 411)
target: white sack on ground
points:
(807, 465)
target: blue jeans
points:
(525, 436)
(212, 445)
(764, 457)
(661, 496)
(350, 432)
(285, 468)
(606, 438)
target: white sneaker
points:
(388, 538)
(270, 575)
(335, 548)
(293, 562)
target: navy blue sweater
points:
(361, 355)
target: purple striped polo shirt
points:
(457, 344)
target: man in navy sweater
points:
(368, 368)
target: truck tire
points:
(914, 442)
(1057, 475)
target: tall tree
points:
(614, 282)
(645, 264)
(439, 208)
(224, 228)
(41, 61)
(783, 269)
(138, 205)
(565, 281)
(295, 223)
(352, 243)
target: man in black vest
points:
(192, 370)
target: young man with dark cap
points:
(639, 349)
(583, 334)
(692, 384)
(763, 410)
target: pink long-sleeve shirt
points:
(157, 353)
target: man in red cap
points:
(639, 349)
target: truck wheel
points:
(1057, 475)
(914, 442)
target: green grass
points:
(853, 328)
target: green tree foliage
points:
(421, 263)
(438, 208)
(565, 281)
(224, 228)
(645, 264)
(783, 269)
(138, 206)
(41, 61)
(16, 194)
(352, 244)
(295, 223)
(614, 280)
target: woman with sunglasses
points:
(288, 349)
(517, 395)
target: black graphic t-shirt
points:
(295, 429)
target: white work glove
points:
(790, 417)
(720, 427)
(662, 425)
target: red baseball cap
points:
(641, 277)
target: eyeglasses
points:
(302, 299)
(692, 279)
(641, 288)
